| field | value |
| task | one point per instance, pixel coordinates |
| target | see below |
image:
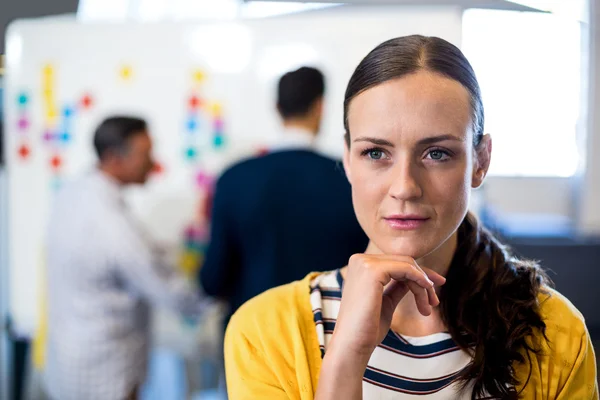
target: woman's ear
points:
(483, 157)
(347, 163)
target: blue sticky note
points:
(219, 140)
(191, 153)
(192, 124)
(65, 136)
(22, 99)
(68, 111)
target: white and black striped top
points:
(401, 367)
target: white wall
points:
(589, 206)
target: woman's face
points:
(412, 162)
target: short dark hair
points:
(298, 90)
(112, 134)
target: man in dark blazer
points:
(280, 216)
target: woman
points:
(436, 307)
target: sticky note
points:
(23, 123)
(68, 111)
(48, 136)
(86, 101)
(48, 71)
(48, 95)
(189, 262)
(204, 180)
(219, 141)
(126, 72)
(22, 99)
(24, 151)
(191, 153)
(56, 162)
(51, 113)
(216, 109)
(194, 102)
(198, 76)
(192, 124)
(65, 137)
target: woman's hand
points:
(373, 287)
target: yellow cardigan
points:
(272, 351)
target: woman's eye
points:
(438, 155)
(375, 154)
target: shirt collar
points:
(295, 138)
(109, 185)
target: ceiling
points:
(15, 9)
(498, 4)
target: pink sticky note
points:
(23, 123)
(204, 180)
(190, 232)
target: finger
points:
(431, 294)
(421, 298)
(436, 278)
(434, 301)
(395, 291)
(400, 271)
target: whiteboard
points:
(64, 77)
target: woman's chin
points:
(405, 248)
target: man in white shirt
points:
(103, 274)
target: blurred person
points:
(103, 273)
(274, 215)
(436, 307)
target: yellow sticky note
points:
(51, 113)
(48, 71)
(189, 262)
(47, 84)
(126, 72)
(198, 76)
(216, 109)
(48, 96)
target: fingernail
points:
(430, 281)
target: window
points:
(528, 67)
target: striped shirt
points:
(401, 367)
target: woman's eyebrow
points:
(377, 141)
(427, 140)
(440, 138)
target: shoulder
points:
(563, 365)
(286, 307)
(304, 161)
(280, 304)
(560, 315)
(565, 336)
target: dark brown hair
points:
(490, 300)
(113, 133)
(298, 90)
